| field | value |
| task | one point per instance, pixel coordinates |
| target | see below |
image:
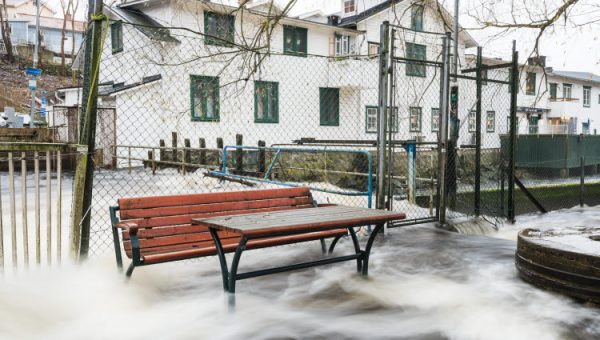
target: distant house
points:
(22, 21)
(320, 80)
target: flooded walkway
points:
(424, 284)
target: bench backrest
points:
(171, 215)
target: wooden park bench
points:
(159, 229)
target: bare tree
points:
(4, 26)
(66, 7)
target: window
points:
(344, 45)
(349, 6)
(472, 121)
(534, 124)
(374, 49)
(219, 29)
(205, 98)
(266, 102)
(418, 52)
(587, 96)
(371, 119)
(567, 90)
(530, 84)
(435, 120)
(585, 128)
(415, 119)
(490, 121)
(116, 37)
(294, 40)
(416, 18)
(553, 90)
(329, 106)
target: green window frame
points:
(371, 119)
(530, 84)
(553, 90)
(435, 119)
(415, 118)
(329, 106)
(416, 18)
(294, 40)
(204, 98)
(116, 37)
(490, 121)
(418, 52)
(219, 29)
(587, 96)
(266, 102)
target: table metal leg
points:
(356, 248)
(234, 264)
(224, 271)
(367, 252)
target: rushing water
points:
(424, 283)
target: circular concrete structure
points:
(565, 260)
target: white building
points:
(318, 80)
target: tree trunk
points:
(6, 33)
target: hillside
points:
(14, 89)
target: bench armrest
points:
(130, 227)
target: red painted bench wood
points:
(165, 232)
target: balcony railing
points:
(547, 130)
(564, 99)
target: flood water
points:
(424, 283)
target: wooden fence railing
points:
(38, 174)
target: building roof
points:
(143, 23)
(50, 22)
(113, 88)
(581, 76)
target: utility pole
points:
(32, 82)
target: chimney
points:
(537, 61)
(333, 20)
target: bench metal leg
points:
(367, 252)
(129, 271)
(333, 243)
(222, 259)
(323, 247)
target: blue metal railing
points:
(279, 150)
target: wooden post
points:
(77, 203)
(161, 152)
(48, 208)
(149, 162)
(187, 159)
(24, 207)
(174, 147)
(260, 161)
(153, 161)
(13, 212)
(36, 167)
(220, 159)
(239, 154)
(129, 160)
(202, 154)
(58, 206)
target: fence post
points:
(220, 160)
(174, 147)
(202, 154)
(582, 181)
(261, 160)
(88, 136)
(513, 133)
(239, 154)
(24, 207)
(153, 161)
(78, 189)
(186, 154)
(13, 211)
(443, 130)
(478, 75)
(381, 112)
(161, 151)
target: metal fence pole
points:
(477, 207)
(582, 181)
(513, 133)
(391, 123)
(381, 113)
(443, 130)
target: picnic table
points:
(263, 226)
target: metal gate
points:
(445, 137)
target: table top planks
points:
(295, 221)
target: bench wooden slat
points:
(186, 219)
(230, 247)
(176, 239)
(176, 200)
(214, 207)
